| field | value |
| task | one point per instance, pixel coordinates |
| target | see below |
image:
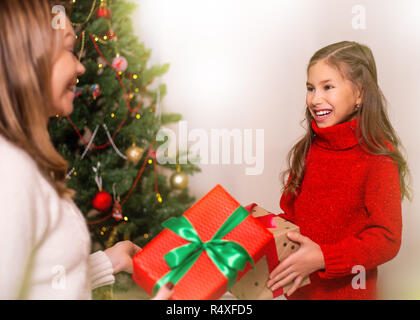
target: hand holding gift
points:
(121, 255)
(307, 259)
(254, 284)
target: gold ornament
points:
(179, 180)
(134, 153)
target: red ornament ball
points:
(102, 201)
(103, 12)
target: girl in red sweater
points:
(346, 181)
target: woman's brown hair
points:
(356, 63)
(28, 46)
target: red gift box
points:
(204, 280)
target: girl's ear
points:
(358, 94)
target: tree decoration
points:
(87, 136)
(78, 91)
(179, 180)
(102, 200)
(103, 11)
(134, 153)
(116, 208)
(120, 63)
(96, 91)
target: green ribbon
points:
(228, 256)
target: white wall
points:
(241, 64)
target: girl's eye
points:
(309, 89)
(326, 87)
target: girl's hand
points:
(307, 259)
(165, 292)
(121, 255)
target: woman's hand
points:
(307, 259)
(121, 255)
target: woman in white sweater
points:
(45, 247)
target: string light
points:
(138, 116)
(100, 65)
(131, 96)
(146, 236)
(125, 219)
(112, 115)
(57, 115)
(150, 161)
(136, 90)
(135, 76)
(75, 173)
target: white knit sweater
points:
(45, 243)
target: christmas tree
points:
(110, 138)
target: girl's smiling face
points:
(65, 71)
(328, 90)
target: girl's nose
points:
(317, 98)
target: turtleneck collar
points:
(338, 137)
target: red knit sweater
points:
(349, 203)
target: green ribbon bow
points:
(228, 256)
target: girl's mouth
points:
(322, 115)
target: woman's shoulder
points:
(15, 163)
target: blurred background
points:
(240, 64)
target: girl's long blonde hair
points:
(28, 46)
(357, 64)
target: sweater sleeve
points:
(100, 270)
(380, 239)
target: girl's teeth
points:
(323, 113)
